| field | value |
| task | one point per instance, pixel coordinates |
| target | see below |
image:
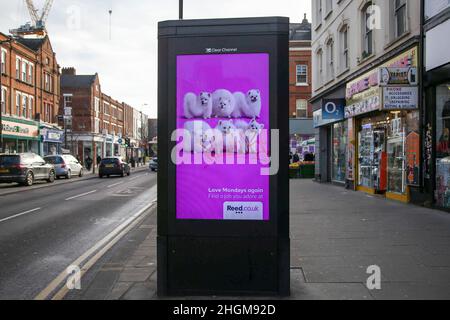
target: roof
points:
(300, 31)
(33, 44)
(77, 81)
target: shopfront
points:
(383, 107)
(19, 135)
(329, 121)
(52, 140)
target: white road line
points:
(100, 247)
(113, 185)
(20, 214)
(81, 195)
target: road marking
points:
(103, 245)
(81, 195)
(113, 185)
(20, 214)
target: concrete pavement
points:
(336, 235)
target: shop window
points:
(443, 146)
(339, 149)
(302, 108)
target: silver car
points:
(65, 166)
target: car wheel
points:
(69, 174)
(128, 173)
(81, 173)
(153, 170)
(51, 177)
(29, 179)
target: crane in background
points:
(37, 26)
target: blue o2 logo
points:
(330, 107)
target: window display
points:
(339, 140)
(396, 156)
(443, 146)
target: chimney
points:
(69, 71)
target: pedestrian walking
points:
(88, 162)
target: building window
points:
(30, 74)
(24, 71)
(302, 74)
(97, 126)
(400, 17)
(17, 68)
(345, 59)
(302, 108)
(320, 66)
(4, 100)
(67, 101)
(24, 106)
(47, 82)
(3, 62)
(329, 6)
(18, 100)
(30, 107)
(330, 59)
(319, 12)
(368, 32)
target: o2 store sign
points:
(223, 105)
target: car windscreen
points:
(110, 161)
(9, 160)
(54, 160)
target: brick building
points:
(30, 94)
(300, 88)
(97, 124)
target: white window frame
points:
(4, 58)
(30, 73)
(345, 53)
(18, 103)
(319, 12)
(4, 100)
(18, 66)
(24, 73)
(301, 70)
(367, 31)
(30, 106)
(24, 106)
(302, 103)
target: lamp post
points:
(180, 8)
(1, 96)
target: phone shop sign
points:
(400, 98)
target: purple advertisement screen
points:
(223, 103)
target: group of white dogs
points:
(231, 136)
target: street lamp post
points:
(180, 7)
(1, 97)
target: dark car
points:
(113, 166)
(25, 168)
(153, 165)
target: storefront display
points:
(396, 156)
(339, 141)
(20, 135)
(443, 145)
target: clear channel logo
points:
(243, 211)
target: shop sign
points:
(397, 76)
(363, 103)
(52, 135)
(333, 109)
(319, 121)
(19, 129)
(400, 98)
(109, 139)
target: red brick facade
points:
(299, 54)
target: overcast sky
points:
(127, 64)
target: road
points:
(43, 230)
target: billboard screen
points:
(223, 113)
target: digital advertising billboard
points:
(223, 104)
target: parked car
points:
(65, 166)
(153, 165)
(25, 168)
(113, 166)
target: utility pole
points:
(180, 7)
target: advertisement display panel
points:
(227, 95)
